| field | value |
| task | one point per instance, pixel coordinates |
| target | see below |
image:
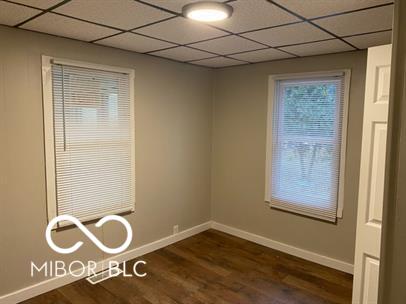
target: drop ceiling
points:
(259, 30)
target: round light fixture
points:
(207, 11)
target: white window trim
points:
(271, 101)
(49, 126)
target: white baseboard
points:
(50, 284)
(301, 253)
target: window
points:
(306, 143)
(89, 139)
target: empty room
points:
(187, 151)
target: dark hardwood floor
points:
(213, 267)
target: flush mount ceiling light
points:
(207, 11)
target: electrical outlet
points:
(175, 229)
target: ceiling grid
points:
(259, 30)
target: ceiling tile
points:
(123, 14)
(12, 14)
(218, 62)
(317, 48)
(262, 55)
(374, 19)
(181, 30)
(182, 54)
(134, 42)
(288, 34)
(174, 5)
(227, 45)
(67, 27)
(368, 40)
(317, 8)
(43, 4)
(255, 14)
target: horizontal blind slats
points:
(93, 140)
(306, 142)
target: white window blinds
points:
(93, 141)
(308, 145)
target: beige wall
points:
(393, 247)
(238, 156)
(188, 152)
(173, 125)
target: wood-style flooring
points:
(213, 267)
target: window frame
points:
(48, 119)
(272, 99)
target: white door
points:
(370, 198)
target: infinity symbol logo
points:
(90, 235)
